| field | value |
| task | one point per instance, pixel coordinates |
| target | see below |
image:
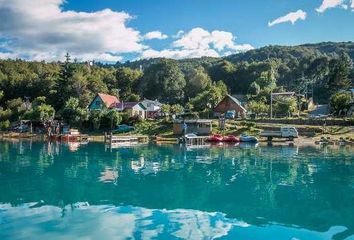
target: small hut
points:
(197, 126)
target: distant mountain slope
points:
(286, 53)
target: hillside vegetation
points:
(199, 84)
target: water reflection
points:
(109, 222)
(266, 188)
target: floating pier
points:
(124, 140)
(166, 140)
(73, 138)
(195, 140)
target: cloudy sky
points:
(120, 30)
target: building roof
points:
(283, 94)
(240, 97)
(151, 105)
(193, 121)
(145, 102)
(109, 100)
(152, 102)
(129, 105)
(235, 100)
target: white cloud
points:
(155, 35)
(327, 4)
(198, 43)
(41, 30)
(179, 34)
(6, 55)
(290, 17)
(179, 53)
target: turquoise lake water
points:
(56, 191)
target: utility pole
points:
(271, 104)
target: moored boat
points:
(73, 135)
(247, 138)
(215, 138)
(230, 139)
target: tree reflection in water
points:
(308, 187)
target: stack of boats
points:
(70, 135)
(216, 138)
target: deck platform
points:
(195, 140)
(124, 140)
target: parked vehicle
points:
(230, 139)
(284, 132)
(230, 114)
(215, 138)
(124, 128)
(319, 116)
(20, 128)
(247, 138)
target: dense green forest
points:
(315, 69)
(294, 68)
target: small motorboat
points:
(248, 145)
(190, 135)
(247, 138)
(73, 135)
(230, 139)
(215, 138)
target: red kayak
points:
(215, 138)
(230, 138)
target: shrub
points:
(340, 103)
(4, 124)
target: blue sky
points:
(111, 30)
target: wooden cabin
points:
(103, 101)
(230, 103)
(197, 126)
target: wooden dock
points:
(70, 137)
(124, 140)
(195, 140)
(166, 140)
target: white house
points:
(132, 108)
(153, 108)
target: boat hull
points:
(230, 139)
(215, 138)
(248, 139)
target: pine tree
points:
(62, 86)
(339, 76)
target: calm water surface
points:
(54, 191)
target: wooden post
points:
(271, 105)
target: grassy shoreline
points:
(164, 129)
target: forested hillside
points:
(324, 68)
(295, 68)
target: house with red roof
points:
(103, 100)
